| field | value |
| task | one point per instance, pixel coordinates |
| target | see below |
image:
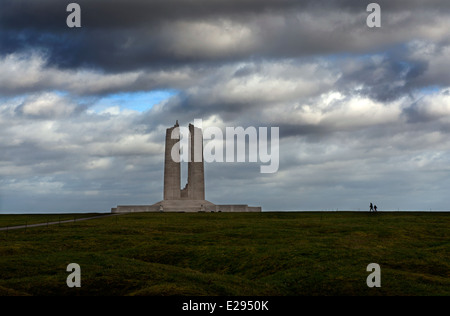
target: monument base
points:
(191, 206)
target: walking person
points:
(375, 208)
(371, 207)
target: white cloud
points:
(434, 107)
(209, 39)
(100, 163)
(22, 73)
(47, 105)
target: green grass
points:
(232, 254)
(28, 219)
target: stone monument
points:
(192, 197)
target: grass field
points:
(231, 254)
(28, 219)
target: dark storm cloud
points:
(109, 25)
(128, 35)
(46, 14)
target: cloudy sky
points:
(363, 113)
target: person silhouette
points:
(375, 208)
(371, 207)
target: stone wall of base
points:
(135, 209)
(185, 207)
(237, 208)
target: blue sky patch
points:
(137, 101)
